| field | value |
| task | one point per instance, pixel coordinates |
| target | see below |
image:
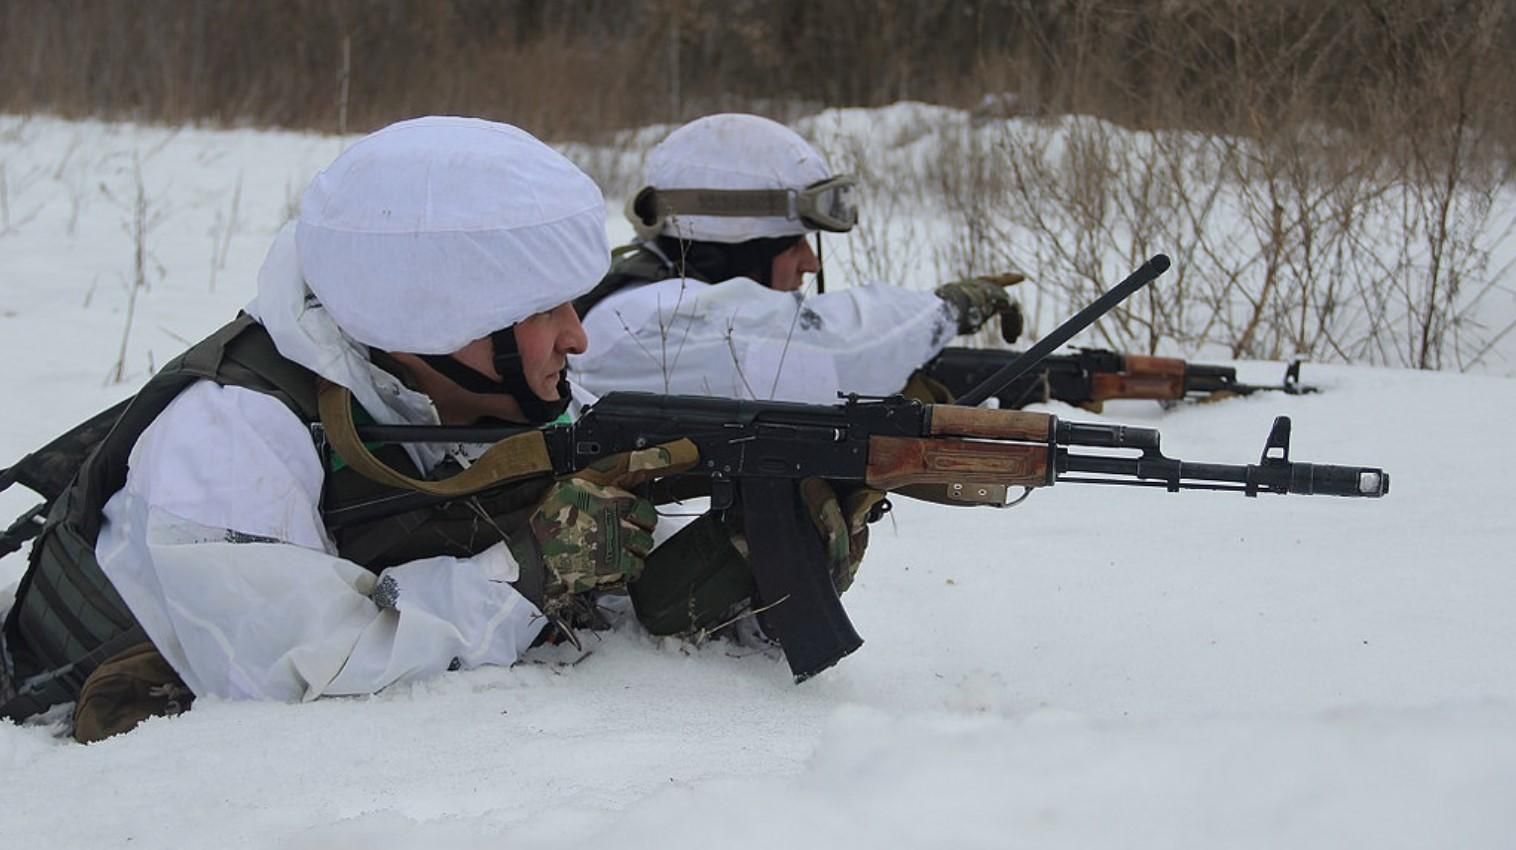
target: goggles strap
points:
(726, 203)
(820, 206)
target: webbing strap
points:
(739, 203)
(61, 684)
(26, 526)
(519, 456)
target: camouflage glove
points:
(590, 537)
(980, 299)
(926, 389)
(843, 524)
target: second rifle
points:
(1089, 376)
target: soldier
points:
(430, 273)
(708, 300)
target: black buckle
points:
(26, 526)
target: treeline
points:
(575, 68)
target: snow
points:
(1097, 667)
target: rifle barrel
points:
(1271, 476)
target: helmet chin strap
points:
(508, 363)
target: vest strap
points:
(519, 456)
(20, 700)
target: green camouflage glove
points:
(980, 299)
(591, 537)
(843, 525)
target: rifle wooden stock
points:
(1142, 376)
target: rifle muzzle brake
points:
(1321, 479)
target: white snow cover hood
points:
(422, 237)
(733, 151)
(304, 331)
(438, 231)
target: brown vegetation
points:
(1344, 204)
(571, 68)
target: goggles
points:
(826, 205)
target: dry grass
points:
(575, 68)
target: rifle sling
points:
(520, 456)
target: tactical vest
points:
(67, 618)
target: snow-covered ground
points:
(1096, 667)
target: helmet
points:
(731, 178)
(434, 232)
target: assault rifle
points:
(1091, 376)
(752, 454)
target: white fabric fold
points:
(739, 339)
(216, 546)
(305, 332)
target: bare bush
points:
(142, 215)
(221, 233)
(887, 242)
(1331, 178)
(1363, 237)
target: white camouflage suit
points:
(738, 338)
(419, 238)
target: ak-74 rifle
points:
(753, 453)
(1090, 376)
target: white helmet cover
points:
(733, 151)
(434, 232)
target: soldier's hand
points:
(843, 524)
(977, 300)
(591, 537)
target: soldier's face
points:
(789, 268)
(545, 340)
